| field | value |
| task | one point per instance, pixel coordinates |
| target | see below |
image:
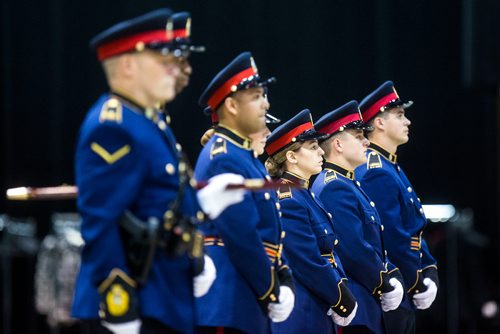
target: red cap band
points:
(180, 33)
(335, 126)
(287, 138)
(128, 43)
(375, 108)
(225, 89)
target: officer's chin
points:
(405, 139)
(168, 95)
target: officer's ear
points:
(127, 64)
(379, 123)
(337, 144)
(291, 157)
(231, 105)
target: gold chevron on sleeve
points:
(110, 158)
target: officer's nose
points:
(266, 104)
(366, 142)
(407, 121)
(187, 69)
(321, 152)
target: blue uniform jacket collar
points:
(341, 170)
(150, 113)
(289, 177)
(233, 136)
(386, 154)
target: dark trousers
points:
(354, 330)
(149, 326)
(217, 330)
(400, 321)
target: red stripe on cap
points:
(287, 138)
(128, 43)
(180, 33)
(225, 89)
(335, 125)
(375, 108)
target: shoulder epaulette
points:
(218, 147)
(111, 111)
(284, 191)
(373, 161)
(329, 176)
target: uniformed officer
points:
(321, 284)
(374, 280)
(253, 285)
(385, 182)
(135, 198)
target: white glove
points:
(131, 327)
(279, 312)
(203, 281)
(392, 299)
(341, 321)
(424, 299)
(215, 198)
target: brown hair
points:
(275, 164)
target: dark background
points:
(444, 55)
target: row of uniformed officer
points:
(371, 242)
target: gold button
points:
(382, 227)
(399, 168)
(373, 218)
(326, 231)
(170, 169)
(162, 125)
(416, 291)
(385, 252)
(278, 206)
(200, 216)
(272, 297)
(268, 178)
(139, 46)
(219, 140)
(280, 214)
(149, 113)
(168, 215)
(182, 166)
(312, 194)
(193, 183)
(421, 210)
(283, 233)
(330, 215)
(421, 255)
(358, 184)
(372, 204)
(178, 147)
(255, 154)
(418, 199)
(411, 200)
(336, 242)
(410, 190)
(168, 119)
(267, 196)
